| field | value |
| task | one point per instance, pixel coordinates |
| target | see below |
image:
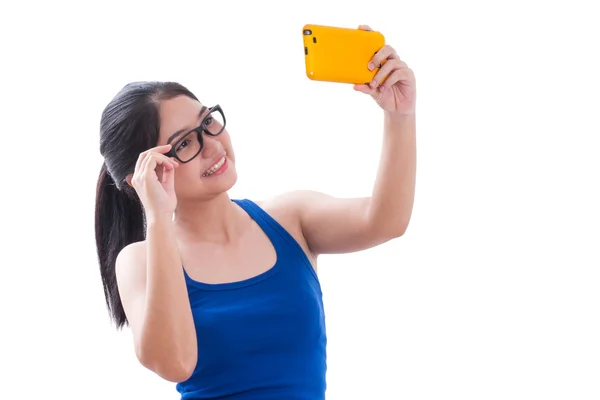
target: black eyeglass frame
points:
(199, 130)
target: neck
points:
(218, 220)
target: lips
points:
(217, 164)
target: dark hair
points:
(129, 125)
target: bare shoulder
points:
(289, 208)
(293, 203)
(286, 209)
(130, 266)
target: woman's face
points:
(212, 171)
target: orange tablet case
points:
(335, 54)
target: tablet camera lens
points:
(307, 32)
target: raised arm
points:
(332, 225)
(151, 280)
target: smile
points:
(215, 167)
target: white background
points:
(493, 293)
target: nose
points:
(211, 147)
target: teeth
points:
(214, 168)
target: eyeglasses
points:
(188, 146)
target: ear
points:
(128, 179)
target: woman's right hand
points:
(153, 180)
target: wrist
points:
(397, 124)
(159, 218)
(399, 116)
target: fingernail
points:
(371, 66)
(373, 83)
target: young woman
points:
(222, 295)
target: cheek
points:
(225, 140)
(186, 172)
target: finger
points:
(148, 168)
(385, 53)
(168, 179)
(404, 75)
(165, 160)
(363, 88)
(150, 164)
(144, 154)
(158, 160)
(139, 161)
(165, 174)
(159, 149)
(365, 27)
(384, 71)
(140, 169)
(366, 89)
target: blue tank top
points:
(263, 337)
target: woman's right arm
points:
(150, 276)
(154, 296)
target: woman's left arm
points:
(333, 225)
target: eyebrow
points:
(183, 130)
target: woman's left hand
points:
(393, 87)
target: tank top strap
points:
(279, 236)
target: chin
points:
(228, 180)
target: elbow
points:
(176, 375)
(390, 230)
(398, 226)
(167, 366)
(387, 225)
(400, 229)
(395, 233)
(175, 372)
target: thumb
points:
(168, 179)
(363, 89)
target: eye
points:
(183, 145)
(208, 121)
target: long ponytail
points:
(119, 222)
(129, 125)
